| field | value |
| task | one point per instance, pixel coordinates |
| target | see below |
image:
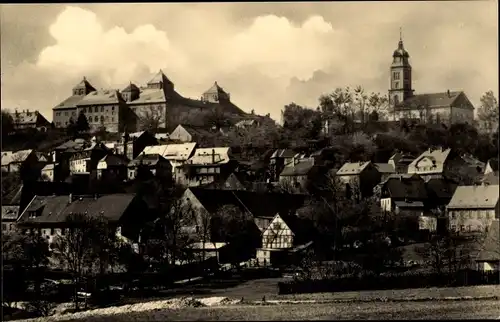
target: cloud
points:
(264, 57)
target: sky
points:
(265, 55)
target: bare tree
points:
(204, 229)
(378, 105)
(487, 114)
(152, 117)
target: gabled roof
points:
(150, 95)
(147, 159)
(160, 78)
(231, 182)
(406, 188)
(107, 96)
(437, 157)
(112, 160)
(283, 153)
(10, 212)
(384, 168)
(193, 130)
(84, 84)
(215, 155)
(352, 168)
(491, 247)
(258, 204)
(215, 89)
(302, 168)
(56, 209)
(174, 152)
(432, 100)
(131, 88)
(49, 166)
(19, 156)
(26, 117)
(473, 197)
(70, 102)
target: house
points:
(491, 166)
(49, 214)
(277, 162)
(401, 161)
(157, 165)
(13, 161)
(284, 234)
(359, 177)
(440, 191)
(162, 136)
(11, 206)
(48, 172)
(132, 144)
(206, 166)
(29, 120)
(301, 174)
(489, 256)
(433, 163)
(112, 167)
(231, 182)
(177, 154)
(403, 192)
(473, 208)
(188, 133)
(385, 170)
(85, 161)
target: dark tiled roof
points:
(115, 160)
(406, 188)
(131, 87)
(216, 89)
(441, 188)
(300, 169)
(160, 77)
(283, 153)
(84, 84)
(55, 209)
(431, 100)
(231, 182)
(259, 204)
(70, 102)
(196, 130)
(147, 159)
(491, 247)
(384, 168)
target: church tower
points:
(400, 88)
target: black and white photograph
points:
(239, 161)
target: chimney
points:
(70, 199)
(213, 151)
(448, 92)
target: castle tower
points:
(400, 87)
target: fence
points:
(393, 281)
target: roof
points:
(13, 197)
(19, 156)
(215, 89)
(432, 100)
(174, 152)
(160, 78)
(216, 155)
(258, 204)
(409, 204)
(491, 247)
(490, 178)
(406, 188)
(76, 144)
(352, 168)
(441, 188)
(283, 153)
(147, 159)
(70, 102)
(436, 159)
(58, 208)
(493, 164)
(231, 182)
(107, 96)
(136, 135)
(131, 87)
(474, 197)
(246, 123)
(49, 166)
(150, 95)
(25, 117)
(384, 168)
(112, 160)
(10, 212)
(193, 130)
(302, 168)
(84, 84)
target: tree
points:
(361, 99)
(378, 104)
(82, 124)
(487, 114)
(217, 118)
(204, 229)
(7, 123)
(339, 104)
(300, 122)
(152, 117)
(85, 246)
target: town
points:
(137, 191)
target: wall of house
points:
(464, 220)
(48, 175)
(277, 235)
(385, 204)
(180, 134)
(427, 223)
(439, 115)
(79, 166)
(61, 117)
(462, 110)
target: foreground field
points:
(330, 311)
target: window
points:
(102, 109)
(66, 114)
(96, 118)
(96, 109)
(73, 113)
(112, 108)
(52, 231)
(453, 215)
(113, 113)
(58, 113)
(102, 118)
(469, 228)
(112, 119)
(396, 85)
(4, 227)
(396, 100)
(58, 123)
(462, 227)
(396, 75)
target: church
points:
(444, 107)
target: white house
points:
(473, 208)
(431, 164)
(177, 154)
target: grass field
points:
(361, 311)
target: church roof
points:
(160, 78)
(85, 85)
(432, 100)
(107, 96)
(400, 52)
